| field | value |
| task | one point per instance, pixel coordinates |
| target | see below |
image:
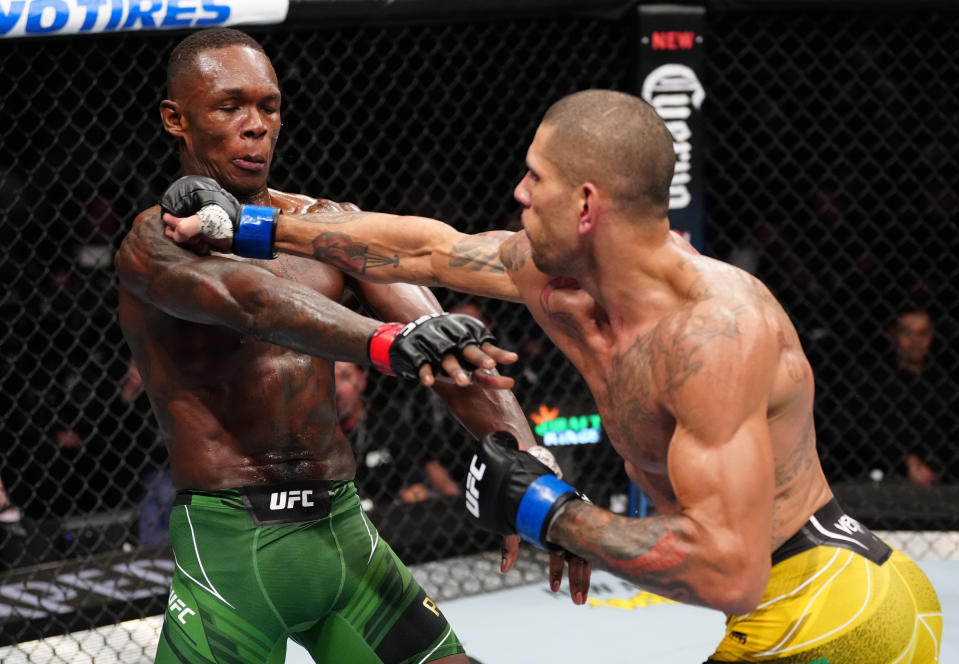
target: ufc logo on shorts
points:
(281, 500)
(848, 525)
(179, 608)
(472, 493)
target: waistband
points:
(273, 504)
(831, 526)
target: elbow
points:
(741, 587)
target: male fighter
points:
(236, 357)
(701, 382)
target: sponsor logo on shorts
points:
(178, 608)
(431, 606)
(472, 493)
(848, 525)
(281, 500)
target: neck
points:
(630, 271)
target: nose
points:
(255, 125)
(521, 192)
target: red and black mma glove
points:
(509, 491)
(251, 228)
(401, 349)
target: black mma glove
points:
(252, 228)
(398, 349)
(509, 491)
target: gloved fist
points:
(251, 228)
(398, 349)
(509, 491)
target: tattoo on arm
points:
(477, 253)
(341, 251)
(649, 552)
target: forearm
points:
(386, 248)
(482, 411)
(667, 555)
(257, 304)
(377, 247)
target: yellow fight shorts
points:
(838, 595)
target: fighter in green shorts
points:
(237, 359)
(247, 577)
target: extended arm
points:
(373, 246)
(253, 301)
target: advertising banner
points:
(47, 18)
(670, 73)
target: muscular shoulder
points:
(146, 229)
(301, 203)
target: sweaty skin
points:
(696, 370)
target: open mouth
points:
(250, 163)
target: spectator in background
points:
(387, 468)
(9, 513)
(913, 403)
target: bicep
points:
(720, 458)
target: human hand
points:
(440, 342)
(249, 229)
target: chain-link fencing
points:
(831, 169)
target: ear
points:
(172, 118)
(589, 208)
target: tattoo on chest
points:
(340, 250)
(476, 253)
(666, 356)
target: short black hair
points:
(184, 54)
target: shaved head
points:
(618, 142)
(183, 59)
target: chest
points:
(629, 375)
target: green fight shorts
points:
(257, 565)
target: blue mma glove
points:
(252, 228)
(509, 491)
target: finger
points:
(475, 356)
(579, 576)
(452, 367)
(426, 375)
(500, 355)
(491, 380)
(510, 551)
(557, 561)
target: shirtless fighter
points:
(236, 357)
(701, 382)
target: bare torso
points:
(233, 410)
(633, 374)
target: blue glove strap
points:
(535, 506)
(254, 235)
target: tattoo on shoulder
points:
(477, 253)
(340, 250)
(515, 252)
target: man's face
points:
(912, 335)
(350, 382)
(230, 109)
(550, 210)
